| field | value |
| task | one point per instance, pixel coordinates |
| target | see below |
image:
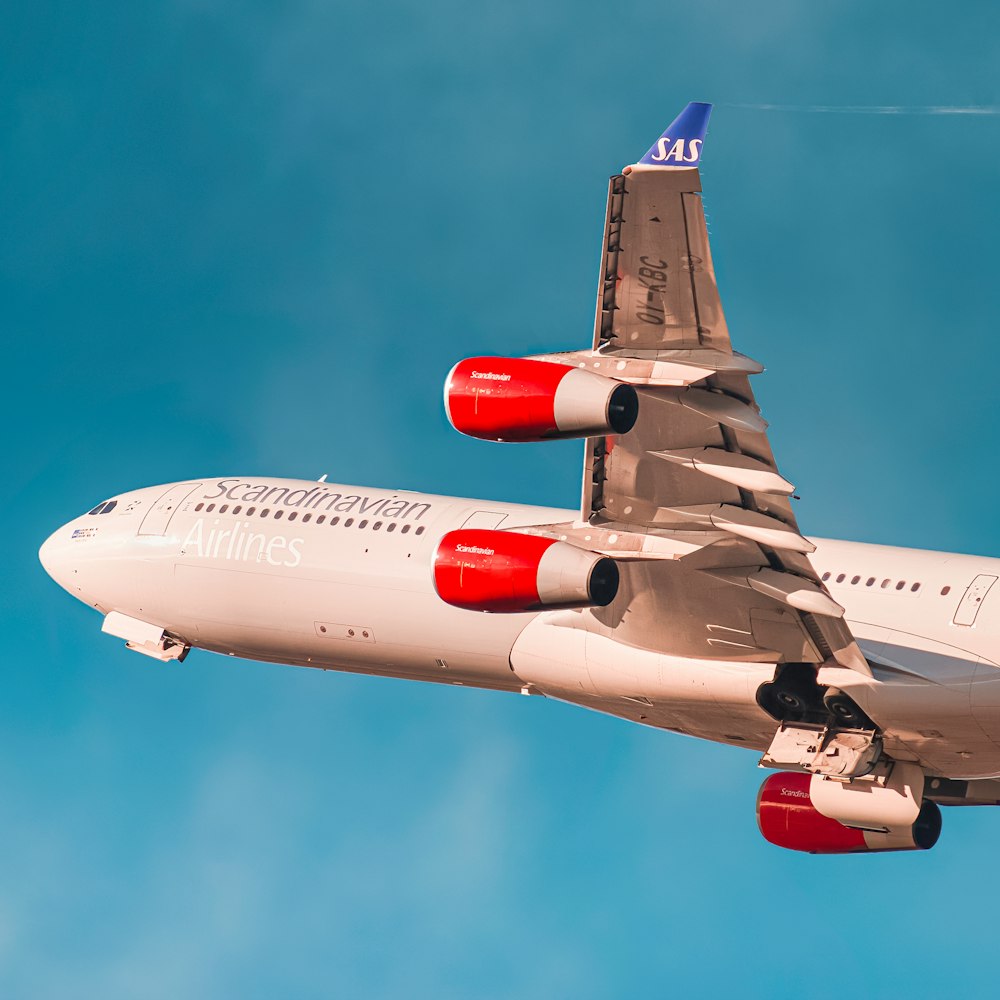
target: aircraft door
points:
(158, 517)
(484, 519)
(970, 604)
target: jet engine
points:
(788, 817)
(503, 571)
(521, 399)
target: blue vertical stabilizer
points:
(681, 144)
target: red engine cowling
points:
(519, 399)
(787, 818)
(484, 570)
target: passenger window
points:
(334, 520)
(197, 506)
(306, 517)
(854, 580)
(840, 577)
(236, 510)
(871, 582)
(210, 508)
(392, 526)
(406, 528)
(278, 515)
(826, 576)
(377, 525)
(945, 591)
(265, 512)
(420, 530)
(224, 508)
(321, 519)
(250, 511)
(915, 587)
(349, 522)
(900, 585)
(885, 583)
(363, 524)
(292, 516)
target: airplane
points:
(681, 595)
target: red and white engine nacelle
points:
(503, 571)
(520, 399)
(788, 817)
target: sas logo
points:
(678, 151)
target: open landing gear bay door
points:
(695, 477)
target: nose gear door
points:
(158, 517)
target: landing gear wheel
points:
(767, 701)
(845, 710)
(791, 700)
(794, 695)
(786, 699)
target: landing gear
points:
(794, 696)
(822, 729)
(150, 640)
(845, 710)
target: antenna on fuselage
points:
(322, 479)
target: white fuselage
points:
(340, 578)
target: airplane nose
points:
(52, 555)
(46, 553)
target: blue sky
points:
(252, 238)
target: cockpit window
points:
(97, 509)
(109, 506)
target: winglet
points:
(680, 145)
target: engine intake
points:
(788, 817)
(503, 571)
(520, 399)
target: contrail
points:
(876, 109)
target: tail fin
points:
(680, 145)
